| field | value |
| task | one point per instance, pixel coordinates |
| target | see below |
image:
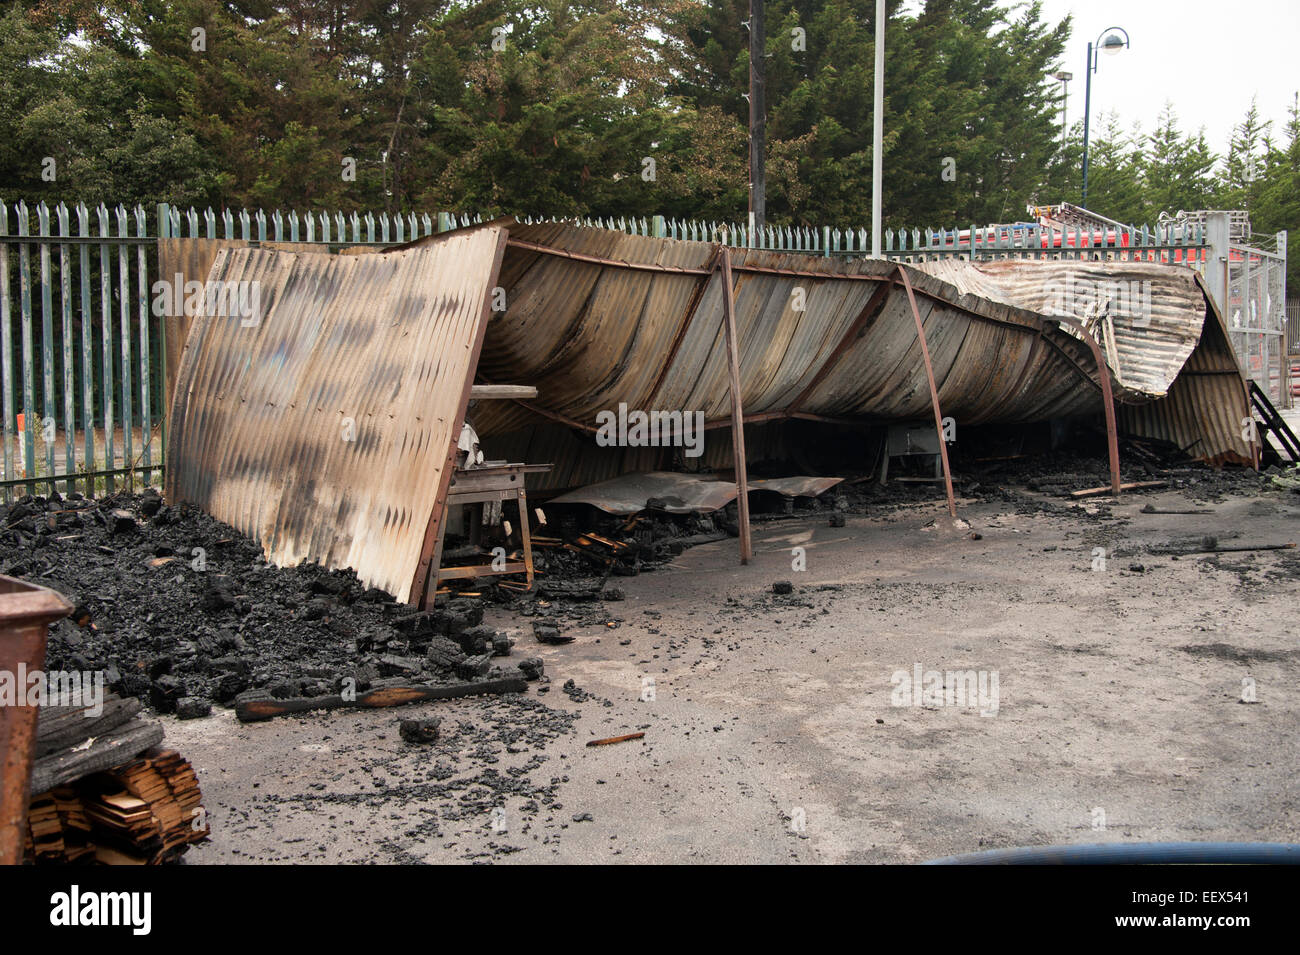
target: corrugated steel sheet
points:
(597, 317)
(676, 493)
(592, 335)
(1208, 403)
(1149, 349)
(795, 486)
(388, 342)
(680, 493)
(191, 260)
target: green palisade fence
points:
(83, 353)
(78, 344)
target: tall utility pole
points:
(757, 116)
(878, 129)
(1065, 78)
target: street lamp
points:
(878, 129)
(1065, 78)
(1111, 45)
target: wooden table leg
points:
(527, 537)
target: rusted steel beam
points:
(697, 294)
(556, 417)
(934, 394)
(737, 412)
(602, 260)
(869, 312)
(765, 416)
(609, 740)
(1107, 397)
(759, 418)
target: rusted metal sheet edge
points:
(1204, 407)
(923, 283)
(433, 529)
(200, 386)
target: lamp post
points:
(877, 129)
(1111, 45)
(757, 124)
(1065, 78)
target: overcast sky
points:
(1207, 57)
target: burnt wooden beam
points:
(487, 392)
(1113, 489)
(254, 710)
(934, 394)
(62, 727)
(107, 752)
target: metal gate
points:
(1256, 313)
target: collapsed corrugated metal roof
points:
(595, 318)
(1148, 317)
(324, 430)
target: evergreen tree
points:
(588, 107)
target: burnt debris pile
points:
(182, 612)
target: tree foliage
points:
(609, 107)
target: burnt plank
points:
(253, 710)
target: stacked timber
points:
(105, 792)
